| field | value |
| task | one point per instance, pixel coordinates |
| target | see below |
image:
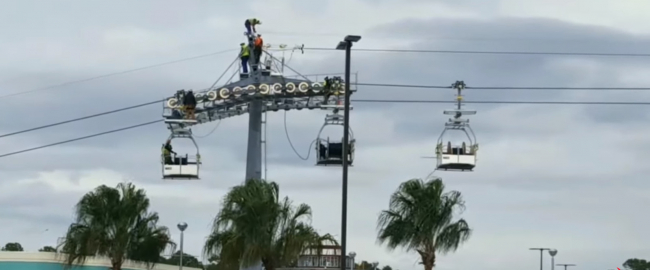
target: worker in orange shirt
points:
(259, 43)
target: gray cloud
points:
(569, 177)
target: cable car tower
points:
(263, 89)
(457, 157)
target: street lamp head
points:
(347, 41)
(352, 254)
(552, 252)
(352, 38)
(182, 226)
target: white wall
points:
(51, 257)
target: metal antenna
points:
(459, 85)
(541, 256)
(459, 112)
(565, 265)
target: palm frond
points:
(115, 222)
(420, 217)
(255, 223)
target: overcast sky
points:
(572, 178)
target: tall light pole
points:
(565, 265)
(181, 226)
(552, 252)
(541, 256)
(346, 45)
(352, 255)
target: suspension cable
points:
(113, 74)
(224, 72)
(81, 138)
(286, 132)
(211, 131)
(408, 101)
(79, 119)
(487, 52)
(356, 100)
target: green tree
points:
(13, 247)
(116, 223)
(387, 267)
(214, 263)
(47, 249)
(255, 224)
(636, 264)
(421, 218)
(365, 265)
(188, 260)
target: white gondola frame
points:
(447, 159)
(188, 171)
(333, 120)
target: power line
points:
(115, 73)
(80, 118)
(403, 85)
(558, 88)
(80, 138)
(456, 38)
(487, 52)
(505, 87)
(360, 101)
(626, 103)
(388, 85)
(330, 49)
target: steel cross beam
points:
(211, 108)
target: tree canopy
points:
(12, 246)
(636, 264)
(420, 218)
(188, 260)
(116, 223)
(365, 265)
(47, 249)
(255, 224)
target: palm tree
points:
(421, 218)
(115, 223)
(255, 225)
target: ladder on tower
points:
(263, 141)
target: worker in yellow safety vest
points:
(244, 55)
(250, 25)
(167, 152)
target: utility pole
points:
(565, 265)
(181, 226)
(552, 252)
(346, 45)
(541, 256)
